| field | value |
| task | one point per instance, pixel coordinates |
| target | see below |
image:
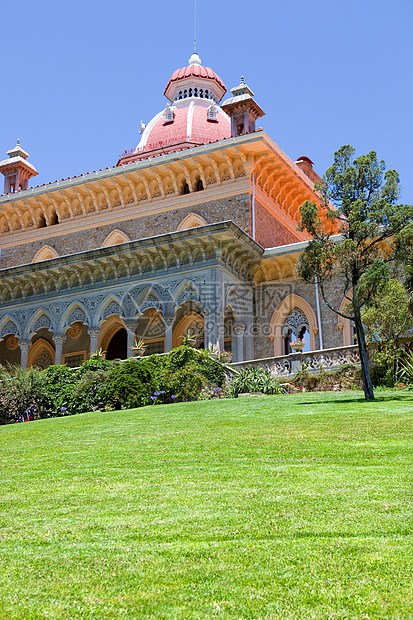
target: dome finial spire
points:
(195, 28)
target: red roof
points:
(196, 71)
(198, 128)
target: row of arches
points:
(192, 220)
(159, 322)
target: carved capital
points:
(59, 339)
(168, 320)
(94, 333)
(25, 345)
(239, 328)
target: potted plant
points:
(99, 354)
(213, 352)
(138, 349)
(298, 345)
(189, 339)
(225, 356)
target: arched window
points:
(199, 186)
(296, 326)
(45, 253)
(192, 220)
(186, 189)
(115, 237)
(292, 315)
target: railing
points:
(314, 361)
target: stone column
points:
(94, 335)
(214, 310)
(169, 321)
(238, 330)
(58, 341)
(130, 328)
(24, 348)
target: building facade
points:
(195, 228)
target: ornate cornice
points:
(223, 243)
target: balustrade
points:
(314, 361)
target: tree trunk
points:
(365, 368)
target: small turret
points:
(242, 109)
(17, 171)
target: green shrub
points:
(129, 384)
(185, 371)
(60, 384)
(23, 392)
(253, 380)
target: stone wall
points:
(235, 208)
(269, 232)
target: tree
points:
(355, 236)
(385, 321)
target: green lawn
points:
(280, 507)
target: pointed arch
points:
(41, 354)
(281, 313)
(8, 327)
(192, 220)
(112, 305)
(187, 291)
(108, 329)
(40, 319)
(75, 313)
(45, 253)
(114, 238)
(191, 320)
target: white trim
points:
(189, 118)
(148, 129)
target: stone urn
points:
(138, 351)
(225, 357)
(298, 346)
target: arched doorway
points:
(193, 321)
(118, 346)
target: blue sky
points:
(78, 76)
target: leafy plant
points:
(23, 393)
(129, 383)
(253, 380)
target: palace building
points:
(195, 228)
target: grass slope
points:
(281, 507)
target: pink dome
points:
(190, 125)
(193, 116)
(197, 71)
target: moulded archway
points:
(45, 253)
(192, 220)
(114, 238)
(41, 354)
(280, 315)
(109, 328)
(191, 320)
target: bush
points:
(185, 371)
(129, 384)
(60, 385)
(254, 380)
(23, 393)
